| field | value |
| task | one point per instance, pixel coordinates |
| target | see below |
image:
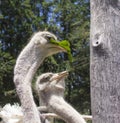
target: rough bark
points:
(105, 61)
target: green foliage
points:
(15, 29)
(6, 67)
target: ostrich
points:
(50, 89)
(26, 66)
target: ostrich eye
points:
(46, 78)
(48, 37)
(0, 119)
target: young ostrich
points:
(26, 66)
(50, 89)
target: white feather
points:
(11, 113)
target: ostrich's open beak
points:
(60, 76)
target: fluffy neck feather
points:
(27, 63)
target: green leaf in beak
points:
(64, 44)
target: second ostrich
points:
(51, 89)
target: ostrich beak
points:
(60, 76)
(62, 49)
(58, 48)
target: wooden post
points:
(105, 61)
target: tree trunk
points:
(105, 61)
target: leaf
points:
(64, 44)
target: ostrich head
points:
(11, 114)
(50, 84)
(42, 39)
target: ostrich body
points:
(26, 66)
(51, 88)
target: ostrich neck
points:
(28, 62)
(26, 66)
(64, 110)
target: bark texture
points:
(105, 61)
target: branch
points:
(42, 108)
(86, 117)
